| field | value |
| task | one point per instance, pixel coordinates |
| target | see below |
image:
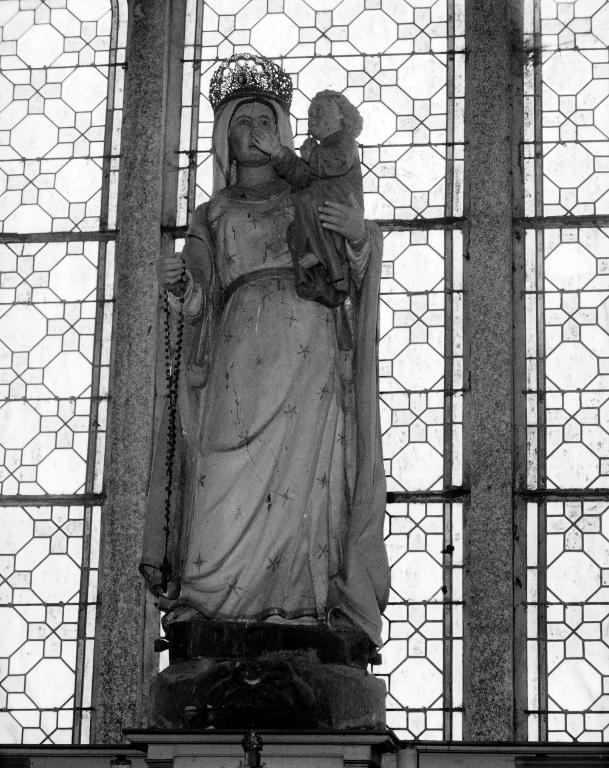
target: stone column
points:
(125, 624)
(489, 406)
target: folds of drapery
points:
(361, 589)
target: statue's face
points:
(246, 117)
(324, 117)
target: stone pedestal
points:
(267, 676)
(183, 749)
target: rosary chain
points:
(173, 361)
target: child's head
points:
(329, 112)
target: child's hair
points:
(352, 120)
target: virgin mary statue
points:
(279, 514)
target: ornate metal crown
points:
(245, 74)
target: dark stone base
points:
(200, 638)
(280, 690)
(238, 675)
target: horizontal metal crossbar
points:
(447, 52)
(446, 494)
(565, 494)
(387, 225)
(547, 222)
(53, 500)
(57, 237)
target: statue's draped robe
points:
(279, 461)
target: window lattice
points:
(402, 65)
(54, 367)
(47, 605)
(567, 358)
(61, 79)
(57, 68)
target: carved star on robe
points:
(268, 246)
(322, 551)
(286, 497)
(239, 513)
(304, 351)
(202, 480)
(227, 336)
(290, 411)
(323, 391)
(292, 318)
(324, 480)
(234, 587)
(199, 561)
(230, 257)
(245, 437)
(260, 361)
(341, 438)
(274, 563)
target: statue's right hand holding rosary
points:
(170, 273)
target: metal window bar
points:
(98, 339)
(58, 237)
(381, 54)
(520, 382)
(542, 618)
(196, 98)
(447, 566)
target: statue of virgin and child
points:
(278, 514)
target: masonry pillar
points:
(489, 413)
(126, 622)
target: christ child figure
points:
(328, 170)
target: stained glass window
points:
(567, 358)
(401, 63)
(61, 74)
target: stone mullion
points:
(123, 658)
(489, 349)
(521, 703)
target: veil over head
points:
(223, 170)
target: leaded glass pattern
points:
(54, 357)
(421, 665)
(61, 80)
(567, 366)
(395, 61)
(60, 61)
(571, 353)
(569, 641)
(48, 595)
(402, 65)
(420, 296)
(567, 152)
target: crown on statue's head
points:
(246, 74)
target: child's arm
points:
(286, 161)
(294, 169)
